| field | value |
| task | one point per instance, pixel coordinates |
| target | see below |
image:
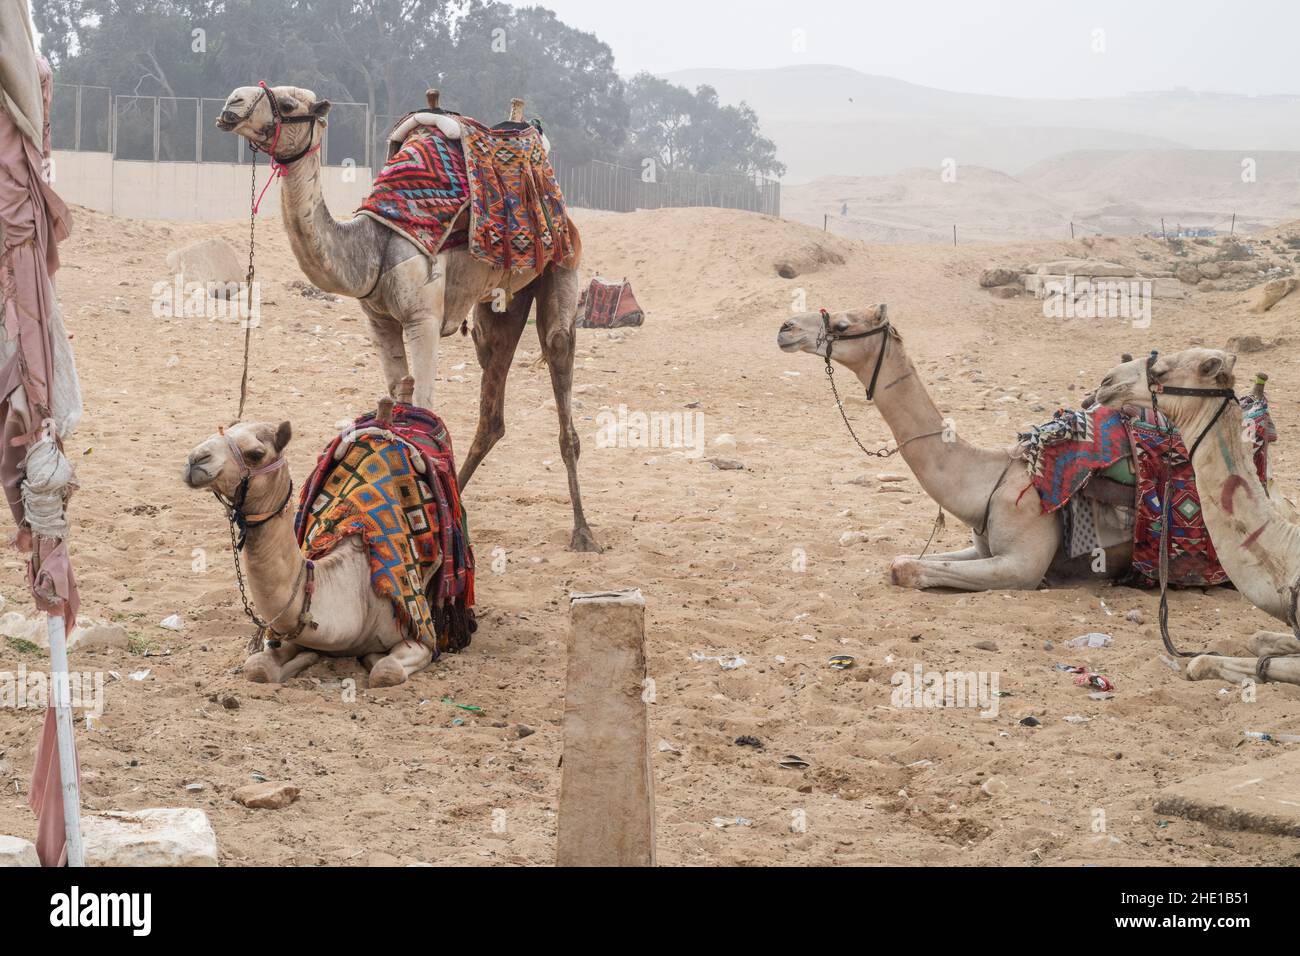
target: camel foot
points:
(584, 540)
(1204, 667)
(387, 673)
(260, 669)
(905, 573)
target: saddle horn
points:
(432, 97)
(516, 110)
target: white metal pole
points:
(62, 691)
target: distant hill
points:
(1101, 191)
(836, 121)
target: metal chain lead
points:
(879, 453)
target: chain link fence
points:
(182, 130)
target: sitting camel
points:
(409, 299)
(1253, 534)
(349, 618)
(1016, 544)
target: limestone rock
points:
(854, 537)
(1084, 267)
(158, 837)
(1245, 344)
(1273, 292)
(1205, 285)
(1006, 291)
(212, 261)
(267, 796)
(995, 276)
(1188, 273)
(17, 852)
(1257, 796)
(1210, 270)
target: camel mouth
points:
(195, 477)
(791, 341)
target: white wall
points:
(192, 192)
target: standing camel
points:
(1254, 537)
(1016, 544)
(409, 298)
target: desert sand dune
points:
(401, 776)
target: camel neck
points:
(1253, 539)
(272, 562)
(954, 473)
(338, 257)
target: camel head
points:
(212, 464)
(248, 112)
(1127, 384)
(806, 332)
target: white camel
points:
(410, 299)
(1016, 544)
(1254, 535)
(346, 617)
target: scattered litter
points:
(173, 623)
(1109, 612)
(1135, 616)
(1076, 719)
(1092, 640)
(667, 748)
(922, 763)
(748, 741)
(1273, 738)
(458, 722)
(725, 661)
(1031, 721)
(841, 662)
(809, 638)
(723, 822)
(1101, 695)
(258, 776)
(194, 787)
(793, 762)
(141, 675)
(1086, 678)
(470, 707)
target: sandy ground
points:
(399, 776)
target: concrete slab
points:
(1262, 796)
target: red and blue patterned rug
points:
(395, 485)
(493, 190)
(1065, 453)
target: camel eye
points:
(842, 325)
(255, 455)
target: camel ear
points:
(321, 109)
(1213, 368)
(282, 435)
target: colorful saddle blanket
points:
(501, 179)
(1064, 454)
(608, 305)
(395, 486)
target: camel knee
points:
(1273, 644)
(262, 669)
(387, 673)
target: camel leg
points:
(386, 333)
(279, 664)
(1017, 572)
(423, 333)
(972, 553)
(1273, 644)
(556, 315)
(402, 661)
(1282, 670)
(496, 336)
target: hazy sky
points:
(1008, 47)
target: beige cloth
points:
(20, 84)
